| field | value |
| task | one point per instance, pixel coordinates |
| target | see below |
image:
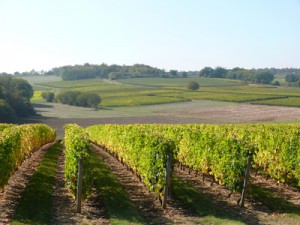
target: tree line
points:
(260, 76)
(107, 71)
(15, 95)
(86, 71)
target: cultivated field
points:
(152, 91)
(37, 192)
(122, 198)
(198, 111)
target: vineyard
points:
(167, 160)
(17, 143)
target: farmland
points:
(152, 91)
(166, 100)
(199, 195)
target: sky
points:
(168, 34)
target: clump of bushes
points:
(193, 86)
(78, 98)
(48, 96)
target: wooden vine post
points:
(246, 182)
(167, 180)
(79, 186)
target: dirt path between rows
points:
(11, 195)
(146, 201)
(254, 212)
(64, 205)
(93, 212)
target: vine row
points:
(18, 142)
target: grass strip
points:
(274, 202)
(36, 201)
(115, 199)
(200, 204)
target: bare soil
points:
(64, 207)
(148, 204)
(183, 113)
(239, 113)
(12, 192)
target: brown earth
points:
(148, 204)
(239, 113)
(11, 194)
(187, 112)
(64, 205)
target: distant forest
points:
(113, 72)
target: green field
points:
(72, 84)
(37, 82)
(291, 101)
(179, 82)
(152, 91)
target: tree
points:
(291, 78)
(184, 74)
(193, 85)
(79, 99)
(93, 100)
(68, 97)
(25, 89)
(264, 77)
(15, 94)
(220, 72)
(206, 72)
(48, 96)
(173, 73)
(7, 113)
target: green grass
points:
(227, 97)
(65, 111)
(179, 82)
(36, 201)
(255, 89)
(140, 100)
(37, 96)
(41, 79)
(73, 83)
(115, 199)
(202, 205)
(146, 91)
(276, 203)
(38, 82)
(292, 102)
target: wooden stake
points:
(246, 182)
(167, 178)
(79, 186)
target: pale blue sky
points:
(168, 34)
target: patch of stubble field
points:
(201, 111)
